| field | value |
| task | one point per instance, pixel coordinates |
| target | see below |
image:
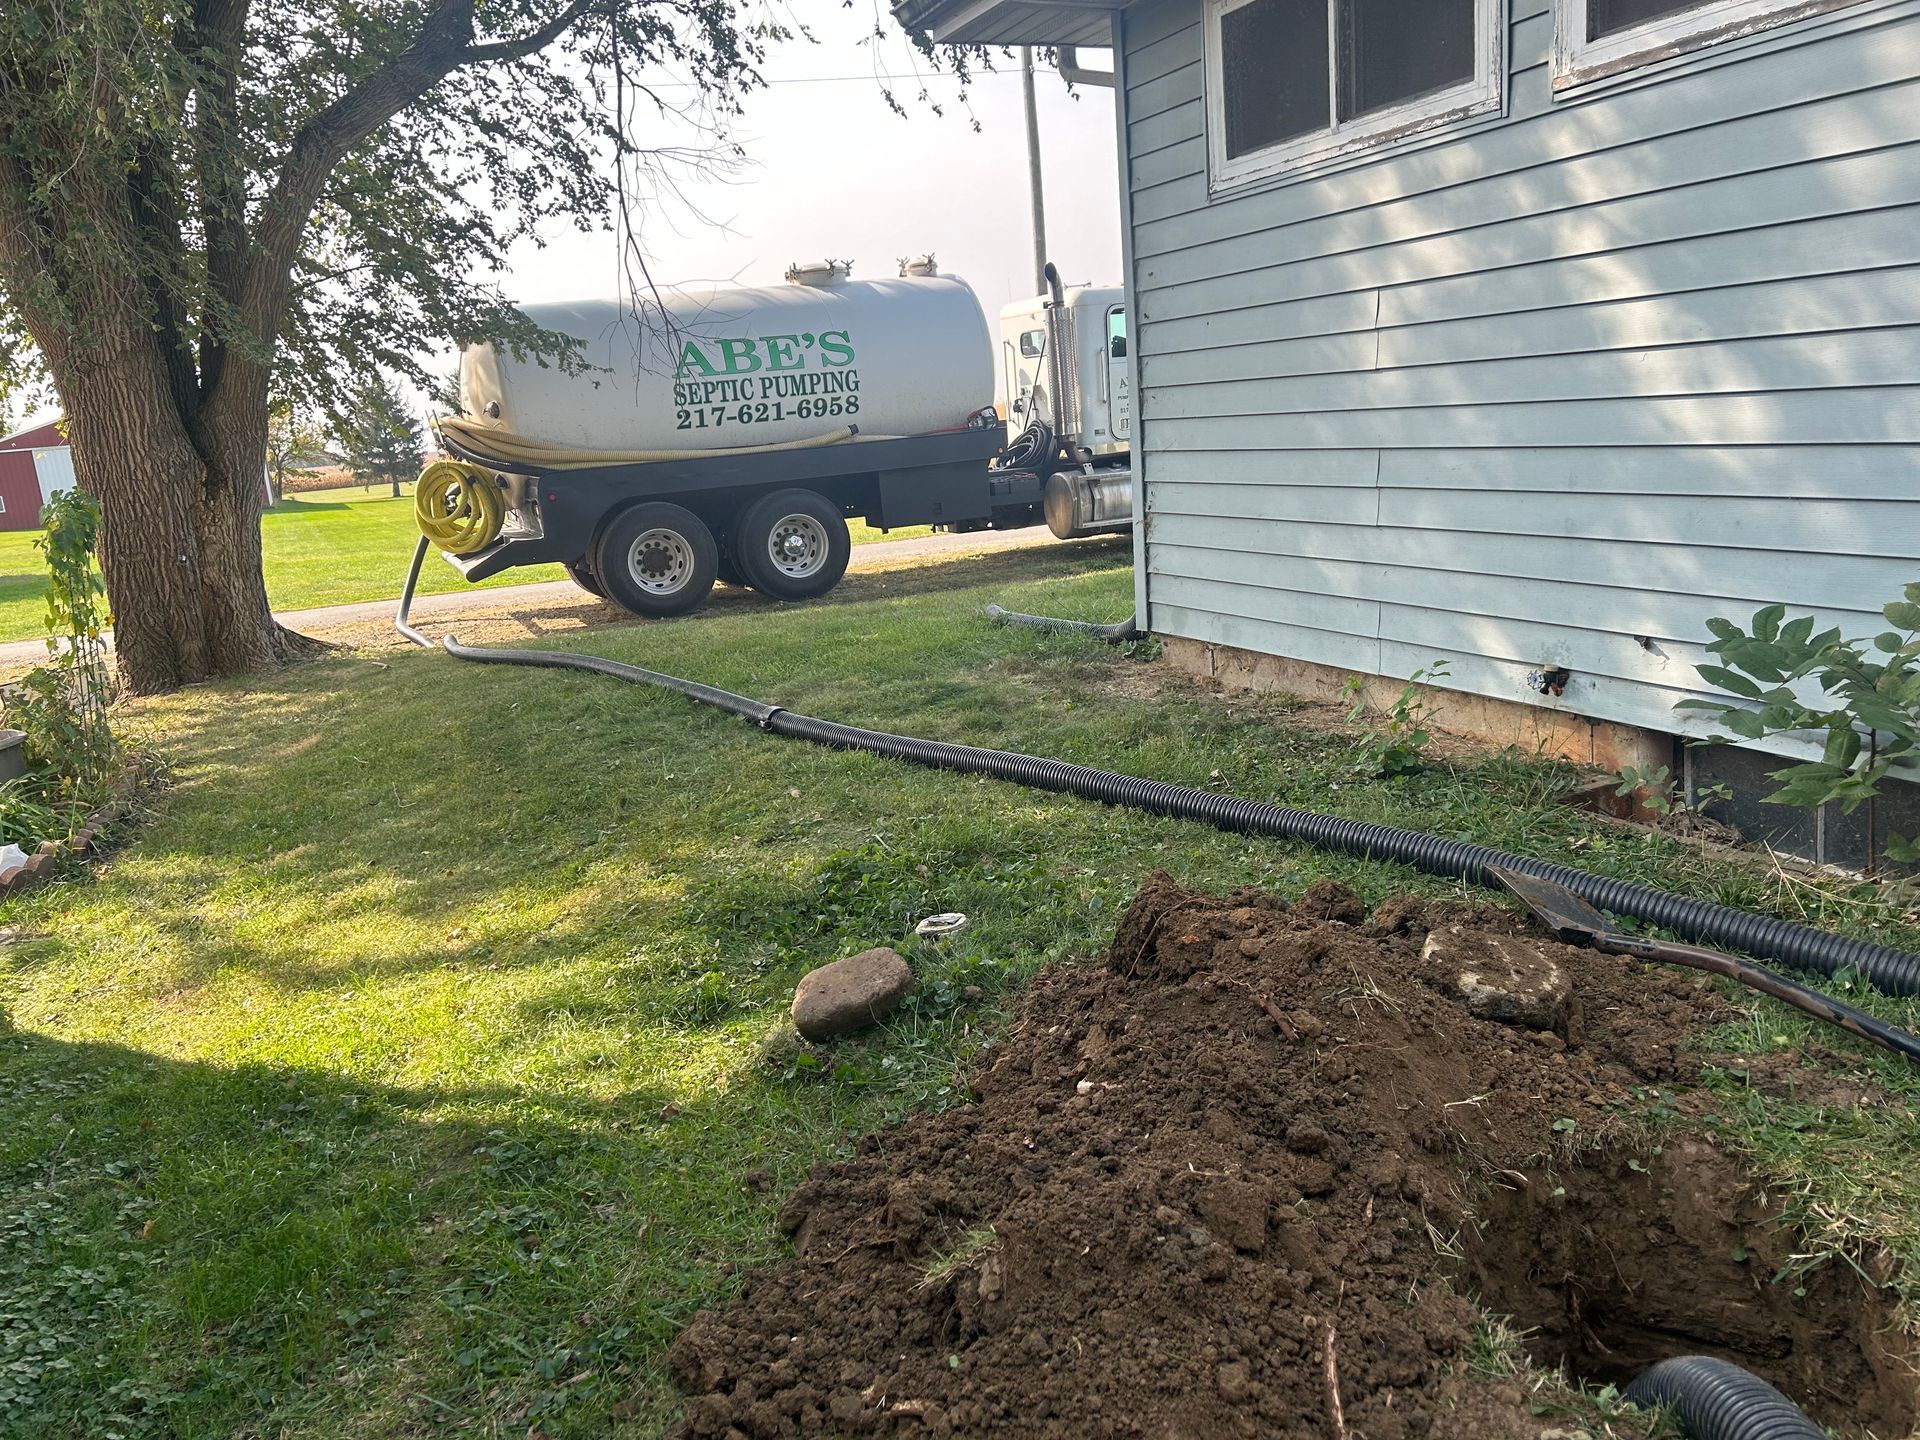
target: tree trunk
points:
(180, 524)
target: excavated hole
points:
(1607, 1268)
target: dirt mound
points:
(1241, 1178)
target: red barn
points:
(34, 463)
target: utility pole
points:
(1035, 187)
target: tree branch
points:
(25, 255)
(325, 140)
(153, 212)
(216, 38)
(507, 50)
(444, 44)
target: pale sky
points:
(831, 171)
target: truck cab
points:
(1095, 414)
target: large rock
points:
(1507, 978)
(851, 994)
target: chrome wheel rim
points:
(797, 546)
(660, 562)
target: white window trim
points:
(1484, 93)
(1577, 60)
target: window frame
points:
(1484, 93)
(1579, 61)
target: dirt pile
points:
(1242, 1176)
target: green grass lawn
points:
(409, 1070)
(326, 547)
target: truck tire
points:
(656, 560)
(584, 577)
(793, 545)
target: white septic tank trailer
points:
(729, 432)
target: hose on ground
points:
(1116, 634)
(1717, 1400)
(458, 507)
(1703, 921)
(508, 449)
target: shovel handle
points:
(1768, 982)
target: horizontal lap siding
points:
(1552, 387)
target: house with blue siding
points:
(1526, 335)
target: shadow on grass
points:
(293, 505)
(372, 821)
(191, 1248)
(927, 575)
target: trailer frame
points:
(939, 479)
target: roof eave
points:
(1007, 22)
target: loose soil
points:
(1242, 1179)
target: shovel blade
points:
(1558, 908)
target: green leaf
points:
(1766, 622)
(1883, 715)
(1888, 642)
(1843, 747)
(1725, 629)
(1904, 613)
(1805, 791)
(1756, 657)
(1732, 680)
(1744, 722)
(1901, 849)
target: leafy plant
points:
(1872, 718)
(1656, 787)
(62, 705)
(1660, 792)
(26, 816)
(1396, 746)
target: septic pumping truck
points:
(729, 433)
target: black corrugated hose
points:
(1115, 634)
(1801, 947)
(1717, 1400)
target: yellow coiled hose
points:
(458, 506)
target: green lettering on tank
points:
(836, 348)
(739, 357)
(693, 361)
(783, 352)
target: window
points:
(1033, 343)
(1294, 82)
(1116, 333)
(1597, 38)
